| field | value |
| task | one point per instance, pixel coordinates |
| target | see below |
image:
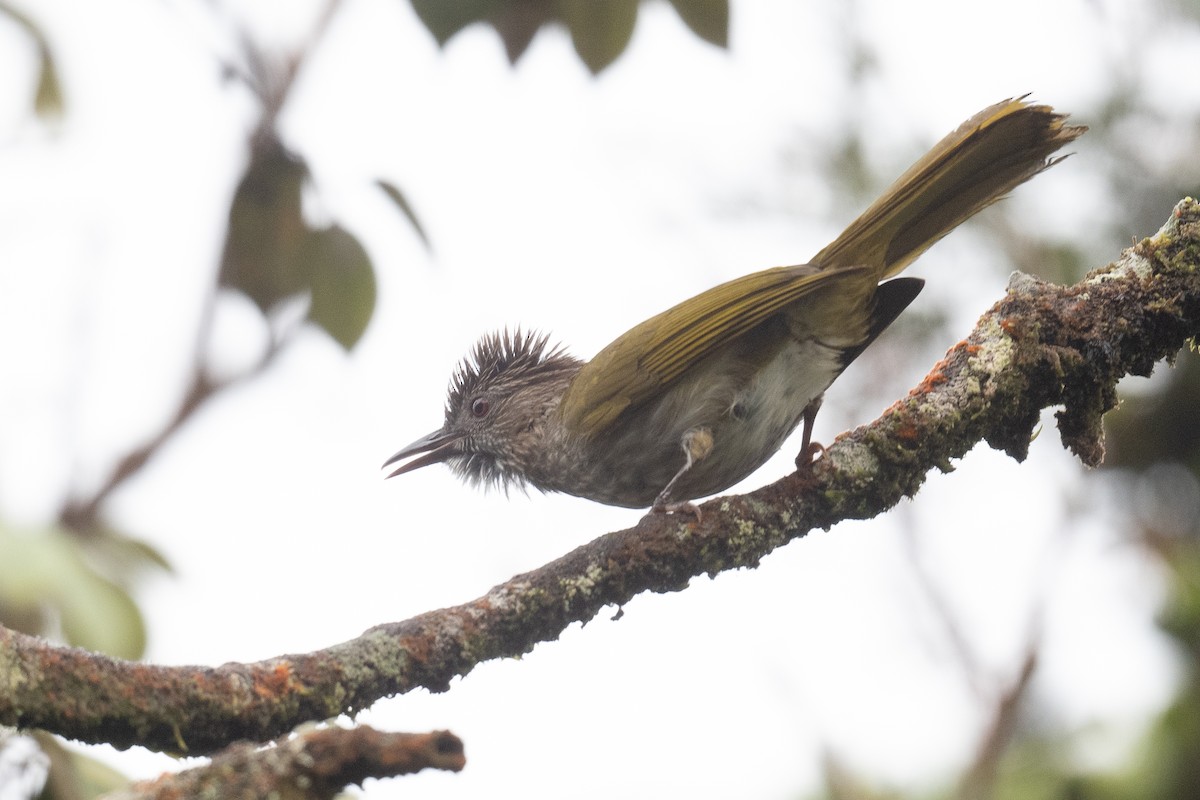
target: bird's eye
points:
(480, 407)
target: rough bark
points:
(1041, 346)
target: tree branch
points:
(1041, 346)
(317, 763)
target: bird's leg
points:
(697, 444)
(809, 449)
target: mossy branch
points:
(1040, 346)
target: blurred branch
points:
(272, 88)
(317, 763)
(938, 603)
(979, 782)
(81, 515)
(1042, 345)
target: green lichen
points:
(583, 585)
(1176, 246)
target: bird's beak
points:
(437, 446)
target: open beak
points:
(437, 446)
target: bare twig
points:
(317, 763)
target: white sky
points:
(580, 206)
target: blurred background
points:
(243, 245)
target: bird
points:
(696, 398)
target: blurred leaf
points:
(401, 202)
(24, 618)
(47, 568)
(48, 100)
(600, 31)
(100, 616)
(121, 557)
(273, 255)
(1161, 426)
(75, 774)
(342, 282)
(517, 21)
(444, 18)
(266, 228)
(708, 19)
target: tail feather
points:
(985, 158)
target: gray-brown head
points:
(497, 412)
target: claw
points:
(679, 507)
(809, 454)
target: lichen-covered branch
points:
(317, 763)
(1041, 346)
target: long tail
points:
(985, 158)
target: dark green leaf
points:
(708, 19)
(600, 31)
(517, 21)
(342, 282)
(397, 197)
(444, 18)
(266, 229)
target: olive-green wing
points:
(654, 354)
(986, 157)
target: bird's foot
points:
(808, 455)
(662, 506)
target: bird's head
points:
(496, 410)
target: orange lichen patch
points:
(418, 647)
(936, 375)
(276, 681)
(1009, 326)
(907, 432)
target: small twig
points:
(317, 763)
(81, 515)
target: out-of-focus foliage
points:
(600, 31)
(341, 283)
(50, 580)
(48, 97)
(396, 196)
(272, 253)
(1160, 425)
(73, 773)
